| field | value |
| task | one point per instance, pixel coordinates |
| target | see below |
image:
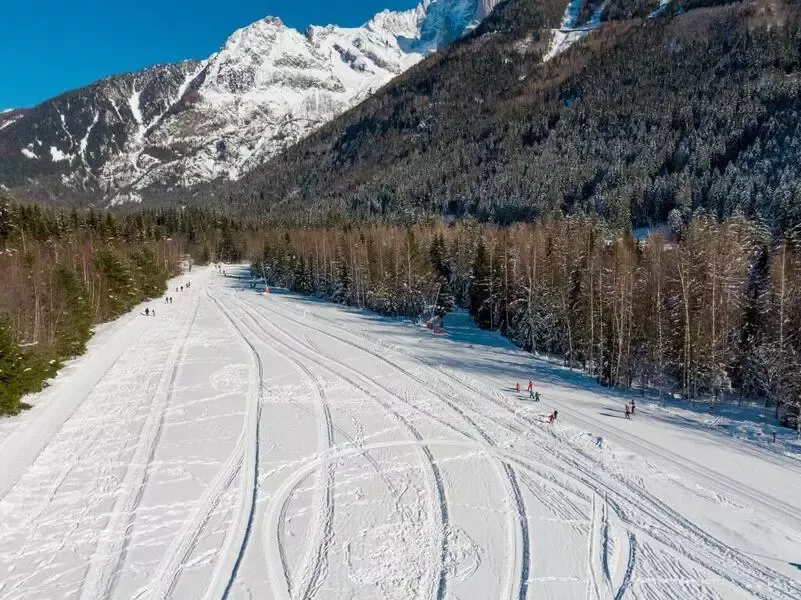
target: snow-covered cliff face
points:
(177, 125)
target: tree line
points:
(64, 271)
(705, 308)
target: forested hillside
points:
(62, 272)
(708, 308)
(696, 108)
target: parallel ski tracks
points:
(515, 586)
(642, 515)
(436, 483)
(761, 581)
(112, 546)
(236, 540)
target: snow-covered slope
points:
(241, 446)
(178, 125)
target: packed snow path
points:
(247, 446)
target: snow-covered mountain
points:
(177, 125)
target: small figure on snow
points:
(182, 288)
(632, 407)
(531, 393)
(147, 312)
(153, 312)
(517, 387)
(530, 385)
(628, 410)
(536, 396)
(552, 418)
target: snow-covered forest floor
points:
(277, 447)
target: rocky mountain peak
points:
(177, 125)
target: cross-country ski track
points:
(248, 446)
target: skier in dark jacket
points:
(147, 312)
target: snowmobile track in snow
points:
(756, 572)
(439, 505)
(235, 541)
(516, 583)
(315, 555)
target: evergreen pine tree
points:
(480, 279)
(442, 270)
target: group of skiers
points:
(531, 393)
(535, 396)
(151, 312)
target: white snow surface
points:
(57, 155)
(276, 447)
(663, 4)
(571, 30)
(29, 153)
(9, 121)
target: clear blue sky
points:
(51, 46)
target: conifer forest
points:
(706, 309)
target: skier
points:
(536, 396)
(531, 393)
(628, 410)
(147, 312)
(517, 387)
(552, 418)
(153, 312)
(632, 407)
(182, 288)
(530, 385)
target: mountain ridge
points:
(689, 106)
(175, 125)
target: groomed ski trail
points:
(337, 454)
(110, 551)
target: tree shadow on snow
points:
(501, 360)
